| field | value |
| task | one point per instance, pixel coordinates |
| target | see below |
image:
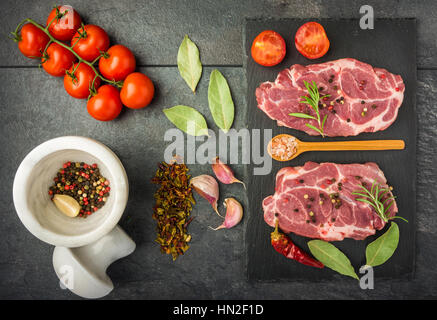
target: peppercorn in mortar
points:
(84, 183)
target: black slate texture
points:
(35, 107)
(396, 53)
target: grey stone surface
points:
(153, 29)
(34, 108)
(214, 265)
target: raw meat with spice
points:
(362, 98)
(316, 201)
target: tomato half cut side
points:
(268, 48)
(311, 40)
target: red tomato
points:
(79, 87)
(94, 40)
(268, 48)
(58, 60)
(106, 104)
(311, 40)
(117, 63)
(63, 29)
(32, 41)
(137, 91)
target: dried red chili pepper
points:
(283, 244)
(174, 201)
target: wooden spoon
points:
(336, 146)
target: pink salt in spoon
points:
(285, 147)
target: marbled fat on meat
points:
(362, 88)
(303, 205)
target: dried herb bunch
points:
(174, 202)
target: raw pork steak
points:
(315, 201)
(363, 98)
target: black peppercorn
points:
(84, 183)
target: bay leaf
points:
(332, 257)
(189, 65)
(220, 101)
(380, 250)
(187, 119)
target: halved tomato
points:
(268, 48)
(311, 40)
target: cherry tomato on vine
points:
(63, 29)
(311, 40)
(32, 41)
(89, 40)
(117, 63)
(137, 91)
(78, 84)
(268, 48)
(106, 104)
(57, 60)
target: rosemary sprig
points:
(313, 102)
(374, 198)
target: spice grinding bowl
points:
(86, 246)
(35, 208)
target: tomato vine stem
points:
(118, 84)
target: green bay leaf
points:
(380, 250)
(220, 101)
(189, 64)
(332, 257)
(187, 119)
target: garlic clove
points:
(67, 205)
(234, 214)
(224, 173)
(207, 187)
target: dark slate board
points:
(391, 45)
